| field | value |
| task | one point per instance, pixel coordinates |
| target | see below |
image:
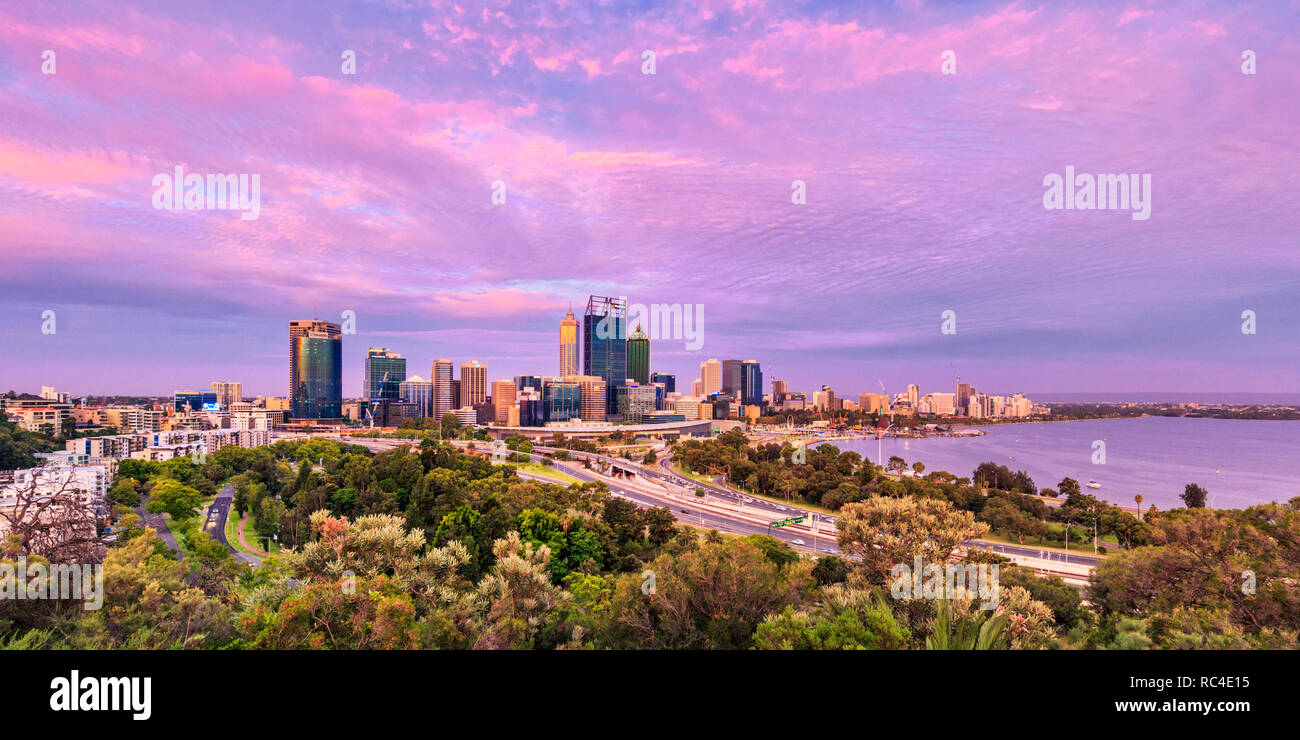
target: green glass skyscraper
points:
(384, 372)
(638, 356)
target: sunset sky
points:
(924, 190)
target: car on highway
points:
(797, 541)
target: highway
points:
(724, 508)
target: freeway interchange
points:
(729, 510)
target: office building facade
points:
(638, 356)
(382, 374)
(444, 398)
(227, 393)
(751, 383)
(669, 381)
(604, 344)
(316, 367)
(568, 345)
(418, 391)
(473, 383)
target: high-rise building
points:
(227, 393)
(594, 403)
(604, 344)
(528, 381)
(384, 371)
(779, 389)
(669, 381)
(445, 401)
(697, 388)
(913, 395)
(561, 399)
(503, 399)
(418, 391)
(568, 345)
(710, 377)
(635, 401)
(532, 412)
(473, 383)
(638, 356)
(963, 398)
(316, 369)
(751, 383)
(731, 377)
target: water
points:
(1257, 461)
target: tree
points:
(1068, 487)
(918, 467)
(830, 570)
(886, 531)
(1138, 500)
(50, 517)
(712, 597)
(649, 457)
(1007, 518)
(896, 463)
(174, 498)
(1193, 496)
(124, 492)
(450, 425)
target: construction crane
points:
(383, 385)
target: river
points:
(1239, 462)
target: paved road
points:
(685, 506)
(216, 524)
(159, 525)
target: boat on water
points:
(1094, 484)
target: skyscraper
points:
(227, 393)
(604, 344)
(731, 377)
(751, 383)
(669, 381)
(593, 397)
(444, 401)
(503, 399)
(568, 345)
(913, 395)
(779, 389)
(383, 372)
(962, 399)
(315, 369)
(418, 391)
(473, 383)
(638, 356)
(710, 377)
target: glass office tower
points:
(561, 400)
(638, 356)
(751, 383)
(669, 381)
(316, 359)
(383, 374)
(604, 344)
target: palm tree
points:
(978, 630)
(1138, 499)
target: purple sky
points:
(924, 190)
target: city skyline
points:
(924, 192)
